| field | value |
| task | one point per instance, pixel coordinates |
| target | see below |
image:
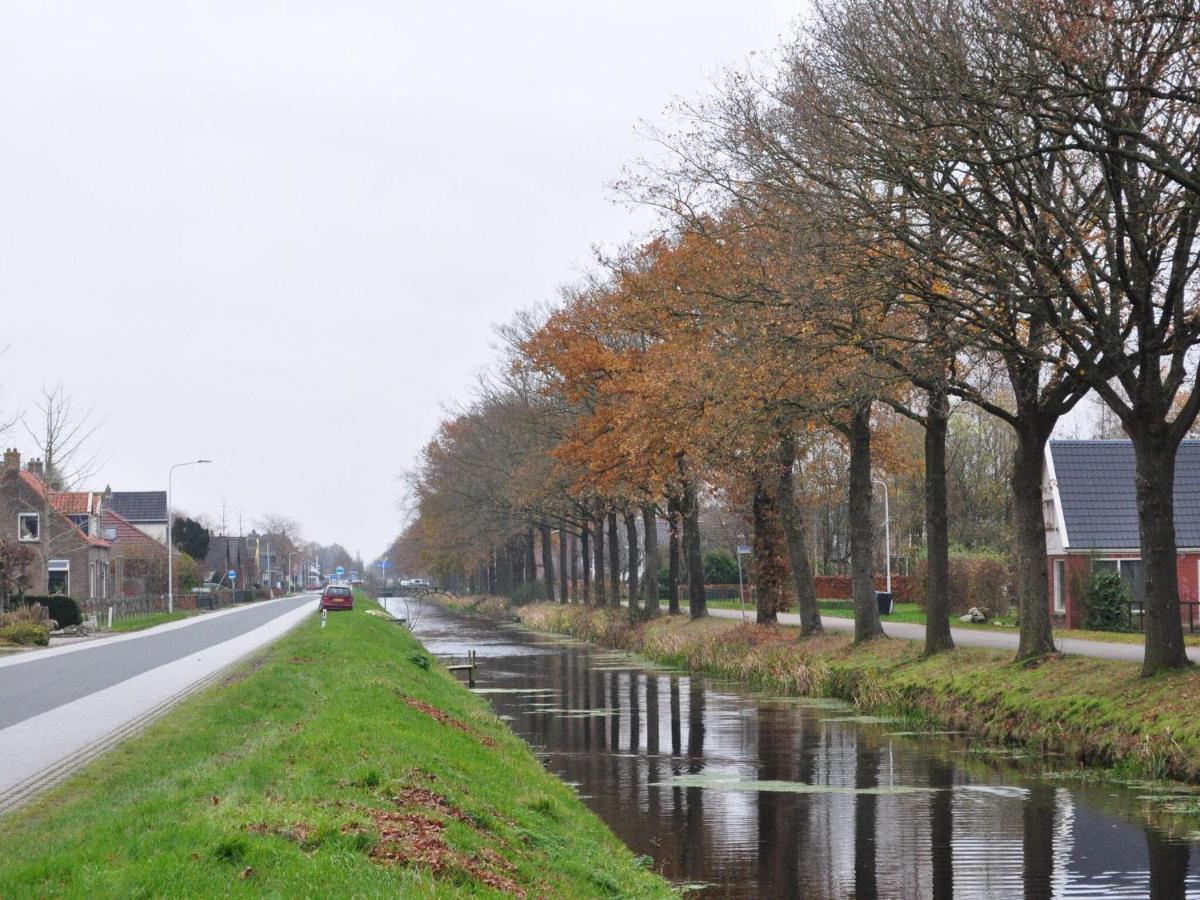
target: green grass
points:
(341, 762)
(139, 623)
(914, 614)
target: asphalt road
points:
(39, 681)
(973, 637)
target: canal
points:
(744, 794)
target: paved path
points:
(973, 637)
(62, 706)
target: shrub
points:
(1106, 603)
(976, 579)
(528, 592)
(838, 587)
(62, 610)
(720, 567)
(25, 634)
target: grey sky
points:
(277, 234)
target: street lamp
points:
(887, 532)
(170, 533)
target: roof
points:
(217, 560)
(130, 540)
(1097, 492)
(139, 506)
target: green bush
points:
(720, 567)
(1106, 603)
(25, 634)
(528, 592)
(62, 610)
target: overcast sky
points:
(278, 234)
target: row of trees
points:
(917, 204)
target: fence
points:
(1189, 614)
(132, 607)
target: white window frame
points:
(21, 536)
(59, 565)
(1060, 593)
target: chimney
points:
(36, 467)
(12, 459)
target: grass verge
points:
(140, 623)
(1093, 711)
(341, 762)
(913, 613)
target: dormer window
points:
(29, 527)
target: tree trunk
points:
(673, 554)
(937, 528)
(697, 601)
(585, 559)
(614, 561)
(631, 540)
(768, 558)
(650, 542)
(530, 556)
(1033, 599)
(1154, 452)
(504, 564)
(792, 523)
(598, 553)
(563, 591)
(547, 562)
(493, 579)
(862, 529)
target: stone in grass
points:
(976, 614)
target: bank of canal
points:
(763, 796)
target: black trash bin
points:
(884, 599)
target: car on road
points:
(337, 596)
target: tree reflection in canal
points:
(879, 815)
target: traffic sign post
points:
(742, 548)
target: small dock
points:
(468, 667)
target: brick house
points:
(139, 561)
(1092, 521)
(63, 529)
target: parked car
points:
(337, 596)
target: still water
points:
(752, 795)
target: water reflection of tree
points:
(780, 816)
(1169, 860)
(694, 844)
(941, 827)
(866, 775)
(1037, 814)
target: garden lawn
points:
(340, 762)
(140, 623)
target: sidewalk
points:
(972, 637)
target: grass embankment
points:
(913, 613)
(342, 762)
(1094, 711)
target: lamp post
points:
(887, 532)
(170, 534)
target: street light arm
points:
(171, 530)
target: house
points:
(144, 510)
(230, 553)
(1092, 520)
(139, 562)
(62, 529)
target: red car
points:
(337, 596)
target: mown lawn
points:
(341, 762)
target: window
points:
(29, 527)
(58, 577)
(1060, 594)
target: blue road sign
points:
(232, 574)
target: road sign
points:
(744, 550)
(339, 571)
(231, 575)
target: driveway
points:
(61, 707)
(973, 637)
